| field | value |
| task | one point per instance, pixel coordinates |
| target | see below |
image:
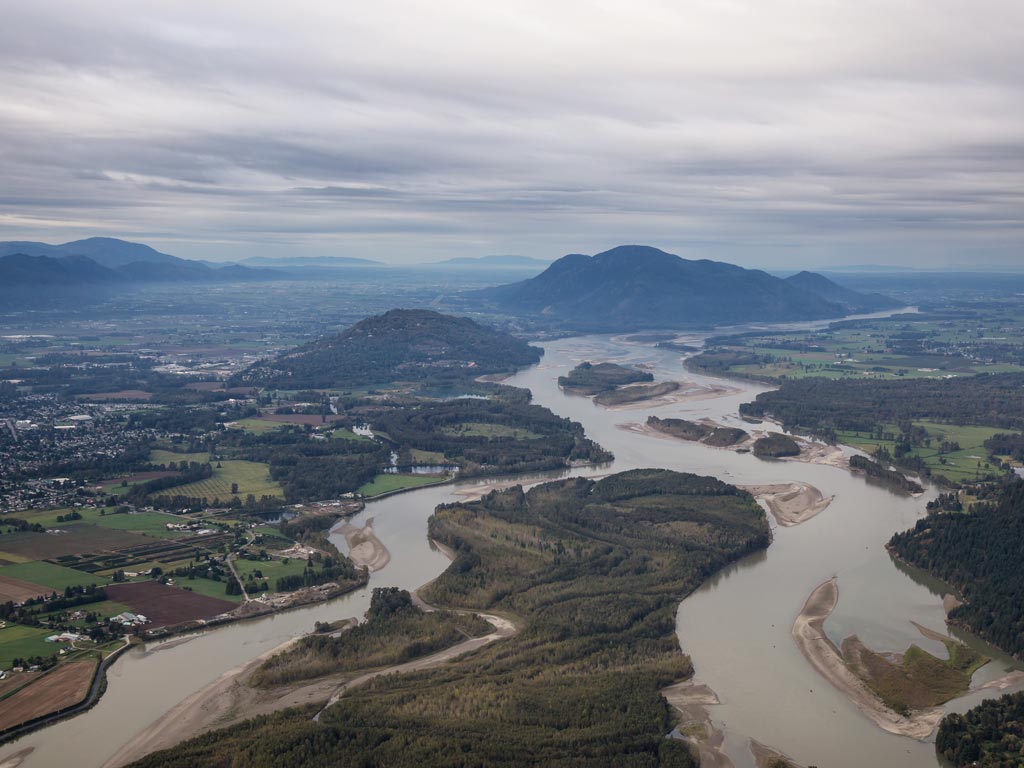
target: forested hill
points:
(635, 286)
(979, 553)
(413, 345)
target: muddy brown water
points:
(736, 627)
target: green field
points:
(56, 577)
(207, 587)
(257, 426)
(272, 538)
(387, 483)
(164, 457)
(17, 641)
(145, 523)
(427, 457)
(48, 517)
(959, 466)
(483, 429)
(272, 570)
(251, 477)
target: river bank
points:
(231, 699)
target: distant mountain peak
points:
(638, 286)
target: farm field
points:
(427, 457)
(144, 523)
(387, 483)
(961, 465)
(164, 605)
(159, 456)
(21, 642)
(55, 577)
(208, 588)
(272, 570)
(257, 426)
(18, 590)
(77, 538)
(64, 686)
(251, 477)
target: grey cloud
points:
(824, 130)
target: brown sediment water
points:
(736, 628)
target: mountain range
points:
(635, 286)
(107, 261)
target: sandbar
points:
(365, 549)
(790, 503)
(821, 652)
(691, 700)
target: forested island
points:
(595, 571)
(717, 436)
(776, 446)
(592, 379)
(978, 553)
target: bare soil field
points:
(300, 418)
(16, 590)
(78, 538)
(66, 685)
(16, 680)
(165, 606)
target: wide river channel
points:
(736, 627)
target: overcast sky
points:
(768, 133)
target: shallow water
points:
(736, 627)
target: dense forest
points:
(396, 631)
(720, 437)
(979, 553)
(495, 436)
(993, 400)
(989, 736)
(400, 345)
(594, 571)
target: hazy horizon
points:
(800, 135)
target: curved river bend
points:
(736, 627)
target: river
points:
(736, 627)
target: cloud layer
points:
(814, 132)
